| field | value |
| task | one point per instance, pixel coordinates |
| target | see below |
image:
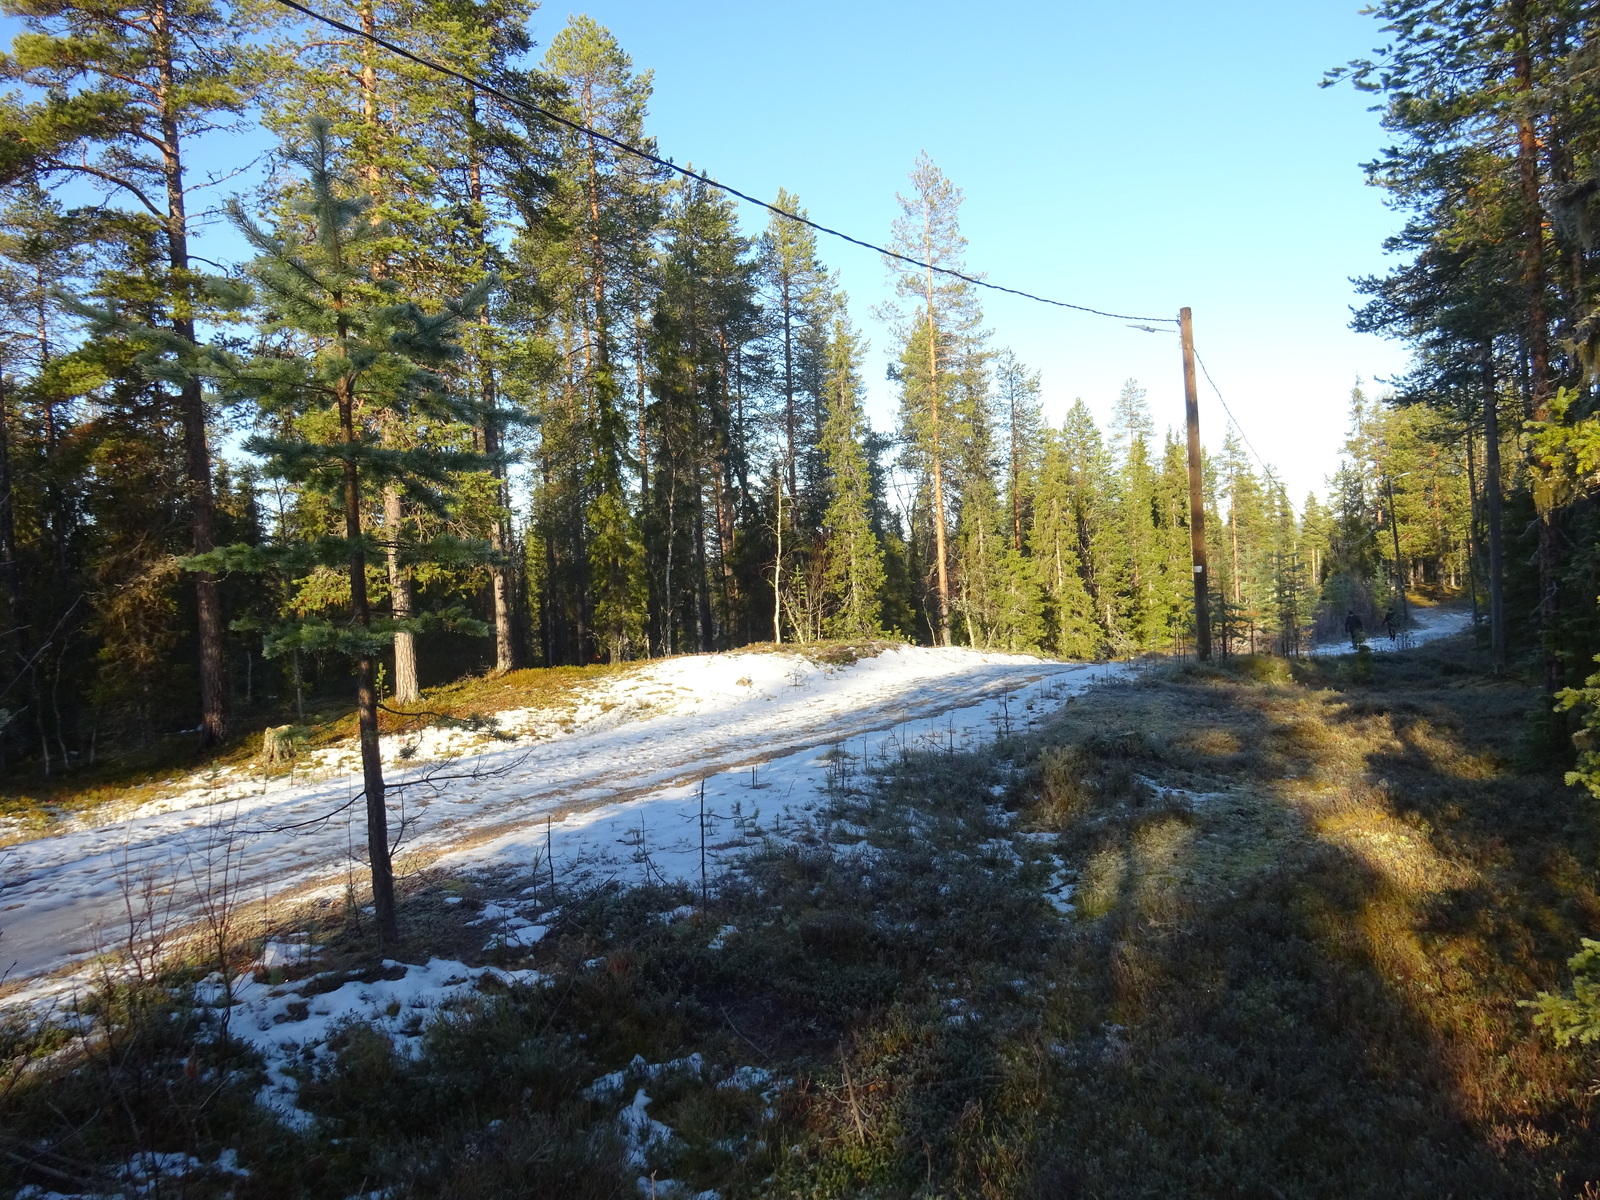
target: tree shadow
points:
(1338, 1017)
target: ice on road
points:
(618, 778)
(1427, 625)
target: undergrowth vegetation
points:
(1307, 899)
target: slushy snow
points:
(722, 751)
(611, 788)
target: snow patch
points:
(611, 792)
(291, 1024)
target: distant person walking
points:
(1389, 623)
(1354, 627)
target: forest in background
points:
(494, 394)
(481, 394)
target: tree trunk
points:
(787, 303)
(1472, 527)
(777, 566)
(191, 401)
(406, 689)
(16, 609)
(1537, 332)
(1492, 513)
(1016, 488)
(640, 400)
(500, 573)
(367, 689)
(1233, 532)
(9, 565)
(942, 572)
(702, 576)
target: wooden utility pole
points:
(1197, 494)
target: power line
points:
(687, 172)
(1236, 423)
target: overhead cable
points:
(689, 173)
(1229, 411)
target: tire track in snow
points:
(62, 896)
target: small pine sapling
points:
(347, 357)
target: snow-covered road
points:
(610, 787)
(618, 778)
(1427, 624)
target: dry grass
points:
(1306, 909)
(1313, 970)
(829, 652)
(33, 803)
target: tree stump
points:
(277, 745)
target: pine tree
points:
(1494, 141)
(603, 212)
(1239, 484)
(130, 87)
(425, 153)
(354, 356)
(937, 338)
(706, 312)
(798, 296)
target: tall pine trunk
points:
(1472, 526)
(787, 303)
(16, 620)
(941, 567)
(406, 687)
(1492, 513)
(405, 647)
(1537, 332)
(191, 401)
(500, 571)
(702, 574)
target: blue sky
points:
(1135, 157)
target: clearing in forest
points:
(613, 762)
(1254, 929)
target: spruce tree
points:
(1090, 489)
(1053, 543)
(1141, 623)
(850, 549)
(1017, 393)
(1175, 590)
(998, 596)
(1239, 485)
